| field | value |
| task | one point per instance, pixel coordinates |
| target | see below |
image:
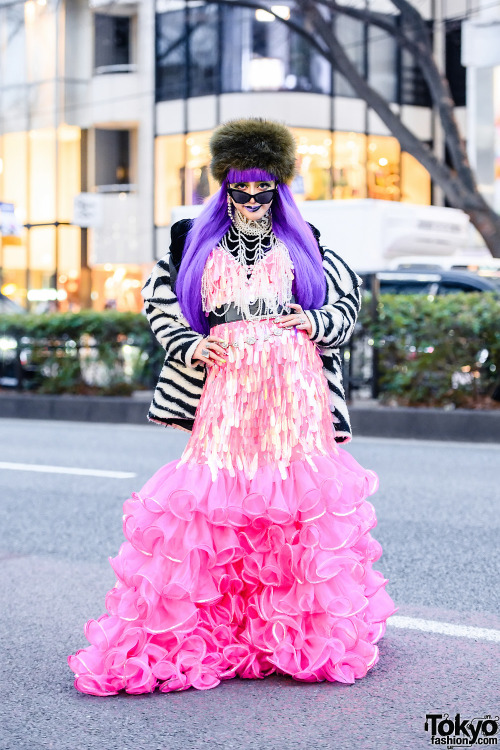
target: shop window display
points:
(182, 173)
(351, 31)
(349, 166)
(117, 286)
(383, 168)
(415, 181)
(41, 187)
(314, 164)
(339, 166)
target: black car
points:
(12, 362)
(430, 282)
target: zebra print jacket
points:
(181, 380)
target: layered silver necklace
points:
(249, 240)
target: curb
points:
(426, 423)
(110, 409)
(462, 425)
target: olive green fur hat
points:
(253, 143)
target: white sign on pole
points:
(9, 225)
(87, 210)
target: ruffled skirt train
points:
(239, 577)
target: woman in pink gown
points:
(252, 553)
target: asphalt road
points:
(438, 522)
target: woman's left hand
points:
(287, 321)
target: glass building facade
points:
(41, 186)
(212, 50)
(59, 137)
(216, 49)
(40, 160)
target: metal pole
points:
(439, 52)
(85, 271)
(155, 130)
(187, 89)
(28, 203)
(56, 127)
(28, 162)
(375, 287)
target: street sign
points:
(87, 210)
(9, 226)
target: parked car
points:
(431, 282)
(9, 307)
(484, 265)
(358, 369)
(10, 363)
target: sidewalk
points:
(368, 418)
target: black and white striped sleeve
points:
(166, 318)
(333, 323)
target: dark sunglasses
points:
(239, 196)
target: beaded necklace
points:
(243, 240)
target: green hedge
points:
(431, 352)
(437, 351)
(109, 353)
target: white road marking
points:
(67, 470)
(444, 628)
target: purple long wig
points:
(309, 285)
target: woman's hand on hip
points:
(213, 354)
(298, 319)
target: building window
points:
(40, 178)
(455, 71)
(349, 166)
(208, 49)
(351, 31)
(382, 61)
(42, 182)
(339, 165)
(182, 173)
(202, 45)
(314, 165)
(308, 70)
(169, 163)
(117, 286)
(112, 160)
(112, 44)
(260, 53)
(413, 88)
(415, 181)
(383, 169)
(171, 67)
(187, 60)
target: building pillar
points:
(481, 57)
(438, 137)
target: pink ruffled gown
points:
(251, 554)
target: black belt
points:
(232, 314)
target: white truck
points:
(369, 234)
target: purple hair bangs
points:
(248, 175)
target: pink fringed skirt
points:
(251, 554)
